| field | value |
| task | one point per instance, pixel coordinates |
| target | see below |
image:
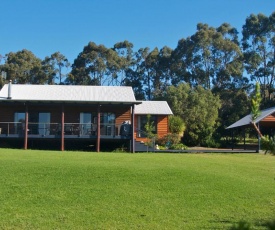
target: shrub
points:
(268, 144)
(211, 143)
(168, 140)
(178, 146)
(176, 125)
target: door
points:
(44, 123)
(85, 123)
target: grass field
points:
(77, 190)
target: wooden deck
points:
(207, 151)
(37, 136)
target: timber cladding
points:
(162, 126)
(71, 112)
(270, 117)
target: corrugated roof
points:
(248, 118)
(154, 108)
(68, 93)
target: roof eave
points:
(70, 102)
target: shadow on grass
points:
(243, 225)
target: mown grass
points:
(77, 190)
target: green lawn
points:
(77, 190)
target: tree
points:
(150, 127)
(54, 65)
(24, 67)
(95, 65)
(259, 51)
(235, 104)
(150, 67)
(162, 79)
(210, 58)
(182, 63)
(227, 59)
(126, 60)
(1, 58)
(177, 96)
(137, 73)
(198, 108)
(255, 107)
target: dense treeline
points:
(206, 79)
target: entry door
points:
(44, 123)
(85, 123)
(19, 127)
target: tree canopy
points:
(198, 108)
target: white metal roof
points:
(248, 118)
(154, 108)
(68, 93)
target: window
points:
(39, 123)
(107, 118)
(44, 120)
(142, 121)
(19, 119)
(107, 126)
(86, 123)
(107, 123)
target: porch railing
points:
(80, 129)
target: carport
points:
(265, 123)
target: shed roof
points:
(248, 118)
(154, 108)
(68, 93)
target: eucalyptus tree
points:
(181, 63)
(137, 73)
(162, 78)
(259, 51)
(210, 58)
(48, 71)
(227, 55)
(24, 67)
(54, 65)
(153, 68)
(1, 58)
(150, 72)
(125, 59)
(95, 65)
(133, 79)
(202, 60)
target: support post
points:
(133, 129)
(259, 138)
(98, 130)
(232, 139)
(62, 127)
(26, 127)
(244, 146)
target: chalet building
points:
(99, 115)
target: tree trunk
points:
(257, 129)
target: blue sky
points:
(47, 26)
